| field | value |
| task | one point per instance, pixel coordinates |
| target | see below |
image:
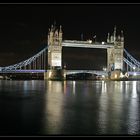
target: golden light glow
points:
(115, 75)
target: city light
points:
(134, 68)
(90, 41)
(135, 74)
(103, 76)
(104, 69)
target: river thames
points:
(40, 108)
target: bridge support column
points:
(55, 70)
(55, 74)
(115, 56)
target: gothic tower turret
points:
(108, 38)
(60, 35)
(114, 34)
(122, 38)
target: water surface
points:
(40, 107)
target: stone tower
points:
(115, 54)
(54, 54)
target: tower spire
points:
(60, 30)
(60, 35)
(108, 38)
(121, 33)
(122, 36)
(52, 28)
(115, 33)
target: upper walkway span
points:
(86, 44)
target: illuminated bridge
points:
(118, 58)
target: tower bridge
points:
(118, 58)
(114, 46)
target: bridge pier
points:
(115, 55)
(55, 74)
(55, 71)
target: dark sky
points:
(24, 28)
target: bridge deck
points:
(23, 71)
(86, 71)
(84, 44)
(68, 72)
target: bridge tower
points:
(115, 55)
(55, 71)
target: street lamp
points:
(134, 68)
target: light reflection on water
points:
(69, 107)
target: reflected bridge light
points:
(73, 84)
(64, 75)
(50, 73)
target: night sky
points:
(24, 28)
